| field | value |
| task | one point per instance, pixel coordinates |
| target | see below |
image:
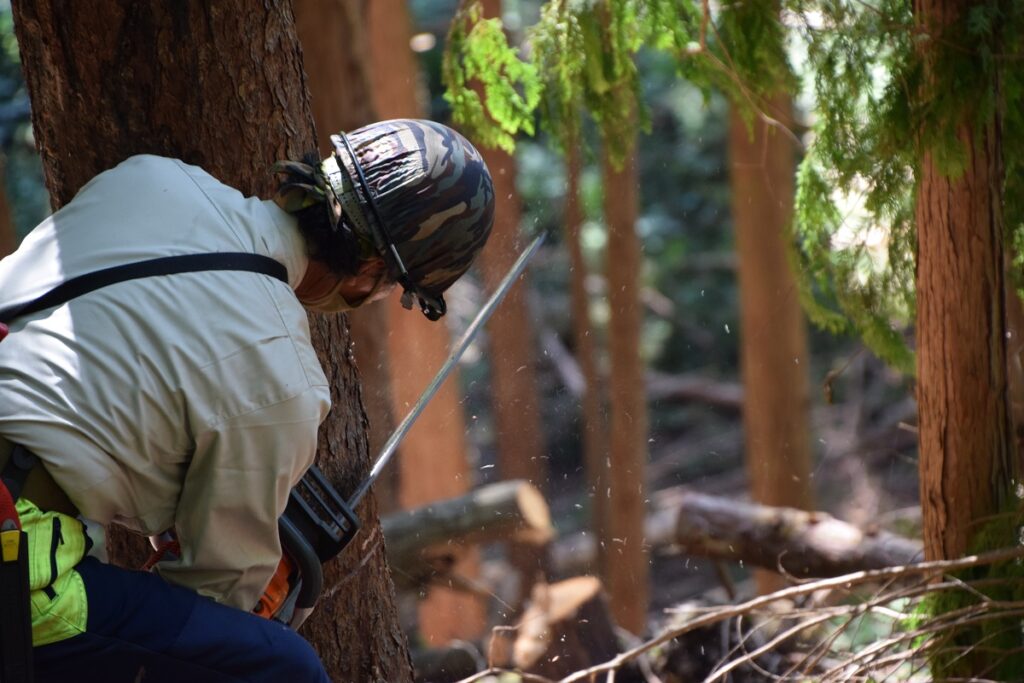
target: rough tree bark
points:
(966, 443)
(626, 567)
(773, 336)
(434, 463)
(519, 432)
(8, 236)
(221, 87)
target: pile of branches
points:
(959, 615)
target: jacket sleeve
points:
(234, 491)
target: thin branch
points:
(767, 647)
(922, 568)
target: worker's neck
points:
(317, 281)
(369, 283)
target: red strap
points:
(172, 547)
(7, 509)
(4, 331)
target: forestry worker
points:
(192, 400)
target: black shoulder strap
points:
(167, 265)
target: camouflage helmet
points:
(422, 193)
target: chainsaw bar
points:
(458, 349)
(318, 523)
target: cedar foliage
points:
(875, 115)
(580, 58)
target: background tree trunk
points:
(433, 461)
(966, 442)
(1014, 358)
(626, 566)
(223, 88)
(593, 424)
(519, 432)
(773, 337)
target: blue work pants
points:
(142, 629)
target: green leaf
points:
(479, 60)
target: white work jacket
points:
(189, 401)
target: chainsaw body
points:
(317, 525)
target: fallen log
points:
(422, 543)
(726, 396)
(801, 543)
(804, 544)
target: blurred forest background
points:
(741, 399)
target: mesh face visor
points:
(432, 306)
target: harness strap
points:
(16, 662)
(166, 265)
(169, 547)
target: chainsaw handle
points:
(306, 561)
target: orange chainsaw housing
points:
(276, 591)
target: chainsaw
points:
(318, 522)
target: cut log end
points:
(566, 627)
(537, 527)
(506, 511)
(564, 603)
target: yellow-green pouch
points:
(56, 543)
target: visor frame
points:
(433, 307)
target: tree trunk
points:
(370, 336)
(433, 458)
(593, 427)
(519, 432)
(966, 444)
(331, 32)
(1014, 358)
(773, 337)
(8, 235)
(398, 90)
(223, 88)
(626, 567)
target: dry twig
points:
(888, 654)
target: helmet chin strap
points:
(433, 307)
